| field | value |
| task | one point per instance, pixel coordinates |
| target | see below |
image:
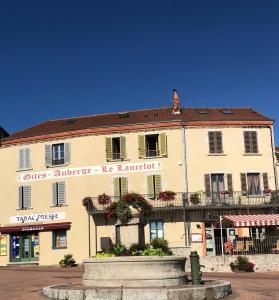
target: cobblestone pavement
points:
(26, 283)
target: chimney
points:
(175, 103)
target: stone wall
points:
(263, 263)
(181, 251)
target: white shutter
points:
(61, 193)
(21, 159)
(67, 153)
(54, 194)
(20, 195)
(48, 155)
(27, 196)
(27, 155)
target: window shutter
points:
(230, 184)
(61, 193)
(116, 187)
(254, 141)
(158, 187)
(247, 141)
(124, 185)
(211, 142)
(109, 148)
(150, 186)
(27, 158)
(20, 198)
(122, 147)
(265, 181)
(54, 194)
(243, 183)
(163, 144)
(27, 196)
(219, 142)
(48, 156)
(21, 159)
(67, 153)
(207, 184)
(141, 142)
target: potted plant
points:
(242, 264)
(195, 198)
(104, 199)
(124, 209)
(87, 202)
(166, 196)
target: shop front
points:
(24, 241)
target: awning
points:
(251, 220)
(38, 227)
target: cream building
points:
(217, 161)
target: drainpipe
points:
(273, 159)
(186, 223)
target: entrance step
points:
(25, 263)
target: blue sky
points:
(62, 58)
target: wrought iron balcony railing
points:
(204, 200)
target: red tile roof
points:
(193, 115)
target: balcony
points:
(201, 200)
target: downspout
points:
(186, 223)
(273, 159)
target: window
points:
(251, 142)
(57, 154)
(251, 183)
(59, 239)
(153, 185)
(58, 194)
(24, 159)
(24, 197)
(152, 145)
(120, 185)
(215, 142)
(116, 148)
(227, 112)
(156, 230)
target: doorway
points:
(24, 247)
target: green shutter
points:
(124, 185)
(150, 187)
(109, 148)
(141, 141)
(163, 144)
(116, 187)
(158, 185)
(122, 147)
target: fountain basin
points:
(135, 271)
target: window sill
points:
(116, 160)
(252, 154)
(217, 154)
(61, 248)
(62, 205)
(55, 166)
(24, 170)
(152, 157)
(24, 209)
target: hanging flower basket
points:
(104, 199)
(195, 198)
(122, 208)
(87, 202)
(166, 196)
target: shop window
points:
(57, 154)
(59, 239)
(156, 230)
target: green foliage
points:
(123, 211)
(67, 261)
(104, 255)
(150, 251)
(120, 250)
(136, 249)
(242, 264)
(158, 243)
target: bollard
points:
(196, 273)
